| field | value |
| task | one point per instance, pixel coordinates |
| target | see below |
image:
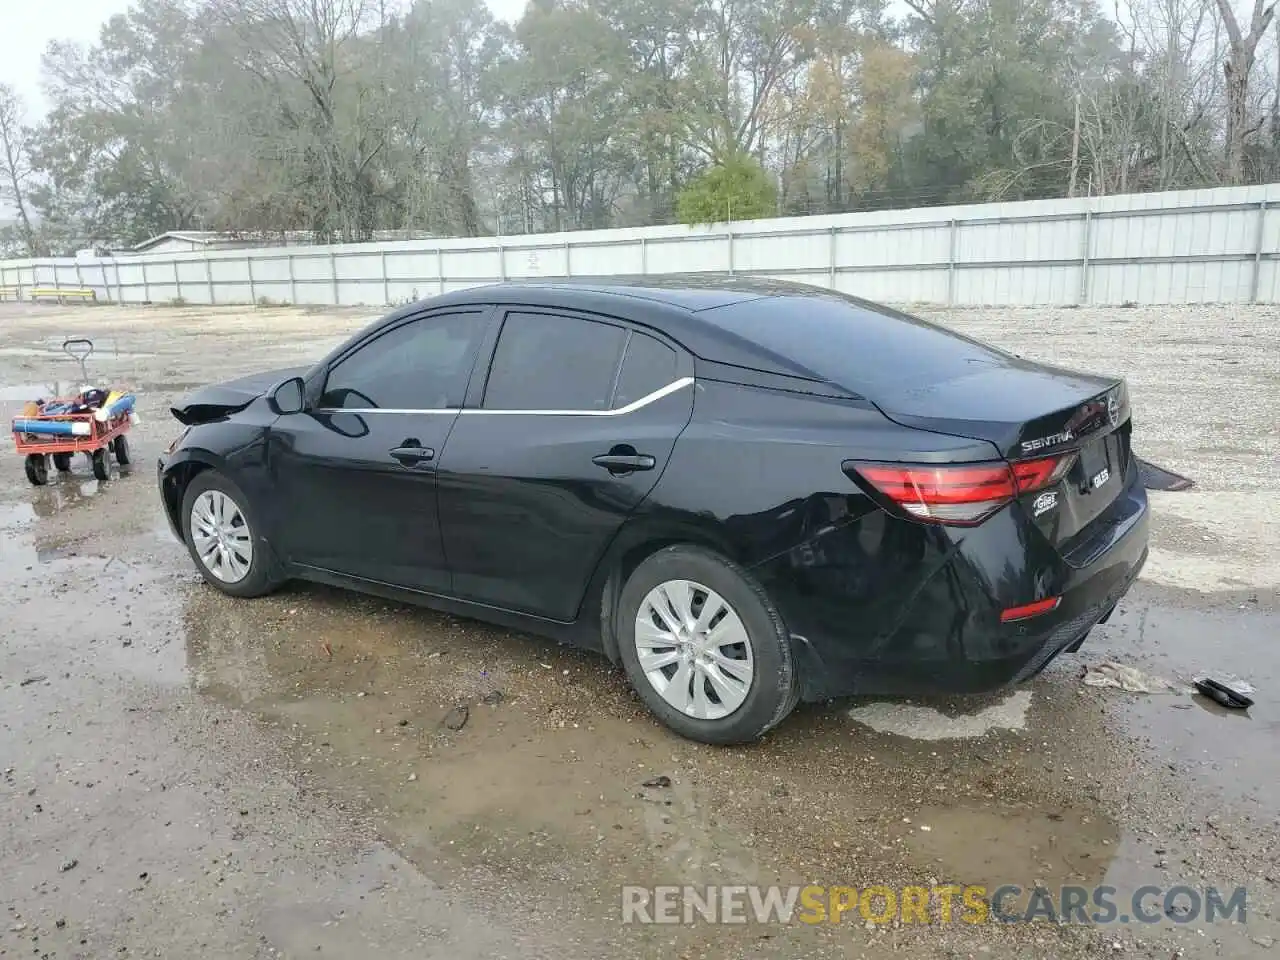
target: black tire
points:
(262, 577)
(120, 447)
(101, 469)
(62, 462)
(37, 469)
(774, 689)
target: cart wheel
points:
(120, 447)
(100, 469)
(37, 469)
(62, 461)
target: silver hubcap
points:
(221, 536)
(694, 649)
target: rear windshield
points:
(855, 345)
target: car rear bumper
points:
(919, 611)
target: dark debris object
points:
(1158, 478)
(457, 718)
(1223, 694)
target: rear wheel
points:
(704, 647)
(37, 469)
(101, 469)
(62, 462)
(120, 447)
(221, 535)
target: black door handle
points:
(624, 462)
(412, 455)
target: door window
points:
(550, 362)
(649, 365)
(420, 365)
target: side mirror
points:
(288, 397)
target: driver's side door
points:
(355, 473)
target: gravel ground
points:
(187, 773)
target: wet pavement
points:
(187, 773)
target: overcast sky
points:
(27, 26)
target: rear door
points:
(576, 422)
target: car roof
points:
(775, 326)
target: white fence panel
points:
(1219, 245)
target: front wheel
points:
(220, 531)
(37, 469)
(705, 647)
(120, 447)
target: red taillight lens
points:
(944, 494)
(1032, 475)
(961, 494)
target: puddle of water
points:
(1230, 753)
(1029, 847)
(65, 607)
(14, 515)
(543, 790)
(916, 722)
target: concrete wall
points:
(1197, 246)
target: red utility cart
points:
(104, 437)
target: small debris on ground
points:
(1234, 695)
(69, 865)
(1111, 674)
(30, 680)
(494, 697)
(457, 718)
(659, 781)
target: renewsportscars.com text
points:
(948, 903)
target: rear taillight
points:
(959, 494)
(1033, 475)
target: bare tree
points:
(1238, 64)
(320, 95)
(15, 165)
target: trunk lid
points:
(1029, 411)
(219, 400)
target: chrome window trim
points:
(632, 407)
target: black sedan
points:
(745, 492)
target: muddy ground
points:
(190, 775)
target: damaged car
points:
(744, 492)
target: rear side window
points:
(421, 365)
(648, 366)
(550, 362)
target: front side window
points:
(420, 365)
(548, 362)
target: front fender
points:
(234, 448)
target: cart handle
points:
(79, 348)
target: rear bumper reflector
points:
(1029, 610)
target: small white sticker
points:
(1044, 503)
